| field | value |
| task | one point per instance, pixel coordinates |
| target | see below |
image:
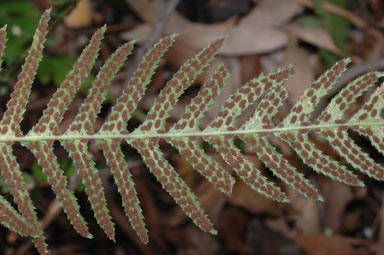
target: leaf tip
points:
(213, 231)
(173, 36)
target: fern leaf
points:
(266, 91)
(126, 186)
(18, 222)
(300, 115)
(225, 121)
(371, 117)
(173, 184)
(116, 123)
(155, 121)
(190, 120)
(128, 101)
(48, 125)
(340, 140)
(267, 153)
(82, 125)
(10, 125)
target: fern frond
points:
(266, 91)
(340, 139)
(190, 120)
(267, 153)
(10, 125)
(225, 122)
(300, 115)
(155, 121)
(48, 125)
(17, 222)
(116, 123)
(83, 124)
(372, 112)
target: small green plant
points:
(222, 133)
(21, 18)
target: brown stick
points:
(152, 38)
(53, 211)
(380, 242)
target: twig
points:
(360, 69)
(380, 248)
(152, 38)
(119, 216)
(53, 211)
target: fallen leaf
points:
(337, 196)
(304, 212)
(233, 224)
(264, 240)
(80, 16)
(315, 36)
(319, 244)
(304, 72)
(244, 196)
(211, 200)
(256, 33)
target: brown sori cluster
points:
(83, 123)
(372, 111)
(300, 115)
(218, 175)
(190, 147)
(246, 96)
(19, 97)
(7, 164)
(78, 151)
(373, 136)
(268, 154)
(86, 117)
(200, 104)
(354, 155)
(245, 169)
(131, 96)
(281, 167)
(125, 185)
(319, 161)
(346, 97)
(53, 114)
(43, 152)
(10, 123)
(16, 223)
(172, 183)
(13, 179)
(182, 79)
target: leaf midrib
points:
(133, 136)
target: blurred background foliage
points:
(338, 27)
(21, 18)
